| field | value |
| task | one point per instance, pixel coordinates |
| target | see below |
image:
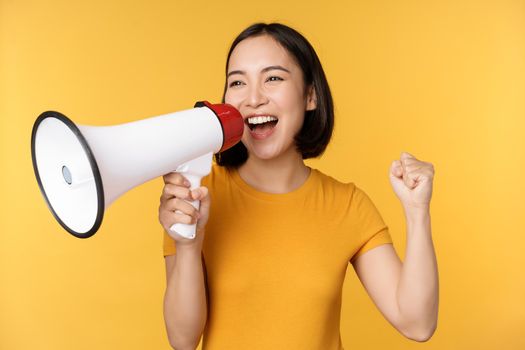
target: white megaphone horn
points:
(82, 169)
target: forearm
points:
(185, 300)
(418, 288)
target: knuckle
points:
(173, 178)
(180, 204)
(178, 179)
(183, 192)
(166, 189)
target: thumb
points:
(396, 169)
(202, 194)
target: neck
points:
(279, 175)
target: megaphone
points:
(82, 169)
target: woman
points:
(279, 236)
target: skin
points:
(273, 164)
(406, 293)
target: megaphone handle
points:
(185, 230)
(193, 171)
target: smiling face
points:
(266, 85)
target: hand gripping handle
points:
(193, 171)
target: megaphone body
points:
(82, 169)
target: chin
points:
(264, 154)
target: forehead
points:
(258, 52)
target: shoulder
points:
(334, 194)
(346, 194)
(331, 185)
(350, 188)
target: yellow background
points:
(444, 80)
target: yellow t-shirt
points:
(275, 263)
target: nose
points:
(256, 97)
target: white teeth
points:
(260, 120)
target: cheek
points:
(292, 104)
(289, 98)
(233, 98)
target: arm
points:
(185, 304)
(405, 293)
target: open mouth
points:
(261, 124)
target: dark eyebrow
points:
(264, 70)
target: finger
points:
(410, 162)
(409, 182)
(413, 167)
(416, 177)
(205, 204)
(201, 194)
(176, 179)
(412, 178)
(422, 175)
(429, 167)
(170, 191)
(405, 156)
(180, 218)
(181, 205)
(419, 166)
(403, 162)
(168, 218)
(396, 169)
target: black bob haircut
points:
(318, 125)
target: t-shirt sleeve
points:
(169, 246)
(368, 227)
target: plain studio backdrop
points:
(443, 80)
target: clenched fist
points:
(412, 180)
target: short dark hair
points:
(316, 132)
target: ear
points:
(311, 99)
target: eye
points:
(235, 83)
(274, 78)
